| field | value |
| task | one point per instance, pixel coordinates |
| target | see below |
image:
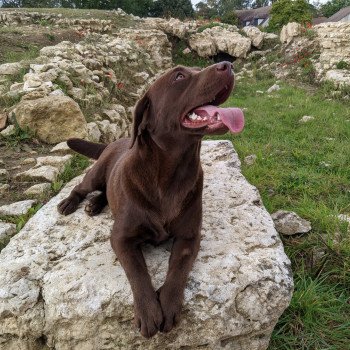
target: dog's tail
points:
(86, 148)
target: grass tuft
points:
(74, 168)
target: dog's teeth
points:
(218, 117)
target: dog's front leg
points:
(171, 294)
(148, 312)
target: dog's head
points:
(182, 105)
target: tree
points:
(29, 3)
(204, 10)
(331, 7)
(170, 8)
(285, 11)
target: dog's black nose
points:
(224, 66)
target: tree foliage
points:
(285, 11)
(170, 8)
(331, 7)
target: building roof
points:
(251, 14)
(345, 11)
(319, 20)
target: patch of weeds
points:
(18, 137)
(270, 44)
(260, 74)
(209, 25)
(62, 86)
(74, 168)
(308, 71)
(9, 100)
(44, 22)
(50, 36)
(309, 33)
(21, 220)
(273, 57)
(343, 65)
(191, 59)
(328, 89)
(10, 30)
(4, 243)
(30, 51)
(317, 317)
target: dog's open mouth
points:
(211, 118)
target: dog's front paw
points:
(171, 302)
(68, 205)
(148, 316)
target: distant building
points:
(342, 15)
(254, 17)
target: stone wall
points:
(334, 41)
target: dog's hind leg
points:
(96, 204)
(94, 180)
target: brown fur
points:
(153, 183)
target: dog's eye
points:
(179, 76)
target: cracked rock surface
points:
(61, 286)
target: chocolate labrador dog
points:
(153, 182)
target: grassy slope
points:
(289, 175)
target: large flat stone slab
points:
(62, 286)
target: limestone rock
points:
(38, 189)
(17, 208)
(338, 76)
(333, 39)
(43, 173)
(94, 132)
(4, 174)
(7, 230)
(53, 118)
(27, 161)
(9, 131)
(274, 87)
(61, 148)
(58, 162)
(256, 36)
(60, 280)
(109, 131)
(289, 32)
(250, 160)
(290, 223)
(4, 188)
(10, 68)
(306, 118)
(219, 39)
(3, 120)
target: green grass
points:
(290, 176)
(191, 59)
(74, 168)
(18, 137)
(118, 21)
(21, 220)
(31, 51)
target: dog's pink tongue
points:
(233, 118)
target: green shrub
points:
(343, 65)
(285, 11)
(230, 17)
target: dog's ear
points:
(140, 118)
